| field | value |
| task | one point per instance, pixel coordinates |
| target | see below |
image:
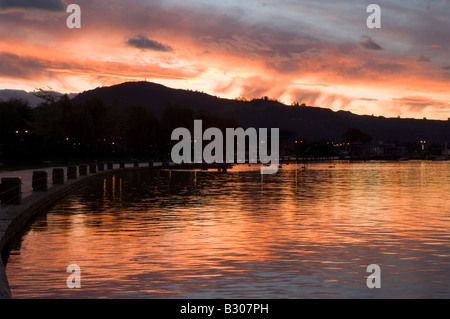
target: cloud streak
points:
(417, 105)
(14, 66)
(40, 70)
(49, 5)
(322, 98)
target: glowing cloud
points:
(319, 53)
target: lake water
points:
(301, 233)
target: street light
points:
(423, 142)
(21, 134)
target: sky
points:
(316, 52)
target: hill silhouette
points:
(29, 97)
(313, 123)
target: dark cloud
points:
(36, 69)
(423, 58)
(50, 5)
(14, 66)
(446, 67)
(367, 43)
(141, 41)
(378, 69)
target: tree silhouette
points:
(356, 136)
(141, 129)
(14, 119)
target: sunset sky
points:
(316, 52)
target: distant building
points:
(360, 149)
(446, 152)
(390, 149)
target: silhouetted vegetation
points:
(67, 131)
(355, 136)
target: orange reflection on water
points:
(299, 233)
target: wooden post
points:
(92, 168)
(39, 181)
(11, 190)
(72, 172)
(58, 176)
(83, 170)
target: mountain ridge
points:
(30, 97)
(315, 123)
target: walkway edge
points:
(5, 293)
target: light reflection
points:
(195, 177)
(114, 187)
(120, 188)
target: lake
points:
(305, 232)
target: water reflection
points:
(301, 233)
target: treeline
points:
(59, 128)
